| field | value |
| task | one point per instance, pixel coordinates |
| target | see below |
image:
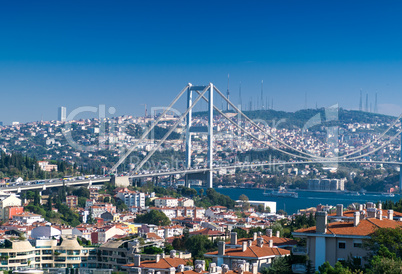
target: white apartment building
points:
(166, 202)
(46, 254)
(28, 218)
(132, 198)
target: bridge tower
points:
(208, 129)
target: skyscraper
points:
(62, 114)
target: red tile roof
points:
(253, 252)
(364, 228)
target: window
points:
(357, 243)
(342, 245)
(357, 260)
(342, 261)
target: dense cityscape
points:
(213, 137)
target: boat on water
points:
(282, 192)
(387, 194)
(354, 194)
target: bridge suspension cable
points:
(254, 137)
(138, 167)
(375, 140)
(264, 132)
(302, 152)
(377, 149)
(146, 133)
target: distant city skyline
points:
(126, 54)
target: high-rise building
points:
(62, 114)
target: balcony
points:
(299, 268)
(299, 250)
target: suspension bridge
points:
(206, 93)
(196, 93)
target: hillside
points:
(299, 118)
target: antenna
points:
(366, 101)
(375, 104)
(262, 94)
(240, 102)
(228, 93)
(361, 101)
(146, 112)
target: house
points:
(7, 200)
(162, 265)
(260, 255)
(278, 241)
(343, 237)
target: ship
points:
(388, 194)
(282, 192)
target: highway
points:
(50, 183)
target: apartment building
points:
(257, 256)
(166, 202)
(338, 236)
(174, 212)
(72, 201)
(45, 254)
(28, 218)
(132, 198)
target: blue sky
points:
(127, 53)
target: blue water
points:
(306, 198)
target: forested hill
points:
(19, 165)
(300, 118)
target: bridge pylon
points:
(199, 129)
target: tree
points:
(81, 192)
(244, 200)
(36, 198)
(279, 265)
(241, 233)
(152, 250)
(390, 238)
(385, 265)
(326, 268)
(198, 245)
(277, 227)
(153, 217)
(49, 206)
